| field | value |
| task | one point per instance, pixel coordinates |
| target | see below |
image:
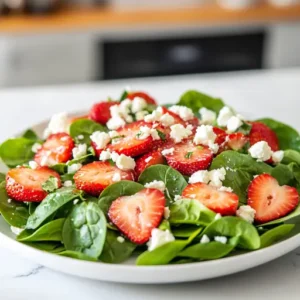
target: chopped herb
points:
(161, 135)
(188, 155)
(124, 96)
(50, 185)
(118, 137)
(139, 134)
(111, 162)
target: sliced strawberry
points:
(129, 144)
(187, 158)
(143, 95)
(95, 177)
(270, 200)
(74, 119)
(221, 136)
(147, 160)
(261, 132)
(224, 203)
(237, 141)
(100, 112)
(25, 184)
(57, 149)
(177, 119)
(137, 215)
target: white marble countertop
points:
(264, 93)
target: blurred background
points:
(66, 41)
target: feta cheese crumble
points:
(124, 162)
(205, 135)
(145, 132)
(115, 123)
(200, 176)
(216, 177)
(36, 147)
(179, 132)
(261, 151)
(79, 151)
(68, 183)
(277, 156)
(224, 115)
(33, 165)
(184, 112)
(221, 239)
(225, 189)
(208, 116)
(233, 124)
(168, 151)
(159, 238)
(166, 213)
(138, 104)
(74, 168)
(120, 239)
(167, 120)
(155, 184)
(101, 139)
(140, 115)
(116, 177)
(247, 213)
(58, 123)
(105, 155)
(155, 115)
(205, 239)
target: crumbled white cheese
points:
(16, 230)
(101, 139)
(114, 156)
(124, 162)
(145, 132)
(277, 156)
(261, 151)
(74, 168)
(213, 147)
(224, 115)
(36, 147)
(112, 134)
(46, 160)
(216, 177)
(115, 123)
(184, 112)
(58, 123)
(233, 124)
(159, 238)
(208, 116)
(218, 217)
(205, 135)
(247, 213)
(68, 183)
(205, 239)
(79, 151)
(167, 120)
(168, 151)
(221, 239)
(167, 213)
(200, 176)
(155, 115)
(155, 184)
(33, 165)
(225, 189)
(138, 104)
(148, 159)
(179, 132)
(120, 239)
(80, 137)
(116, 177)
(140, 115)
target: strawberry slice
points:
(129, 144)
(237, 141)
(224, 203)
(261, 132)
(95, 177)
(187, 158)
(100, 112)
(221, 136)
(177, 119)
(143, 95)
(147, 160)
(270, 200)
(137, 215)
(57, 149)
(25, 184)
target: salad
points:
(170, 184)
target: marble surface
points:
(264, 93)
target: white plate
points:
(129, 273)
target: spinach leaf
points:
(51, 204)
(115, 252)
(32, 206)
(240, 169)
(284, 174)
(124, 95)
(234, 227)
(196, 100)
(60, 168)
(52, 247)
(30, 135)
(14, 213)
(291, 156)
(275, 234)
(16, 151)
(212, 250)
(50, 185)
(174, 181)
(76, 255)
(165, 225)
(288, 137)
(2, 177)
(51, 231)
(165, 253)
(184, 231)
(116, 190)
(85, 229)
(86, 128)
(188, 211)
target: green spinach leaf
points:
(76, 255)
(52, 247)
(50, 185)
(85, 229)
(30, 135)
(184, 231)
(16, 151)
(51, 231)
(291, 156)
(2, 177)
(114, 251)
(234, 227)
(116, 190)
(174, 181)
(51, 204)
(275, 234)
(288, 137)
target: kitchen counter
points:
(256, 94)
